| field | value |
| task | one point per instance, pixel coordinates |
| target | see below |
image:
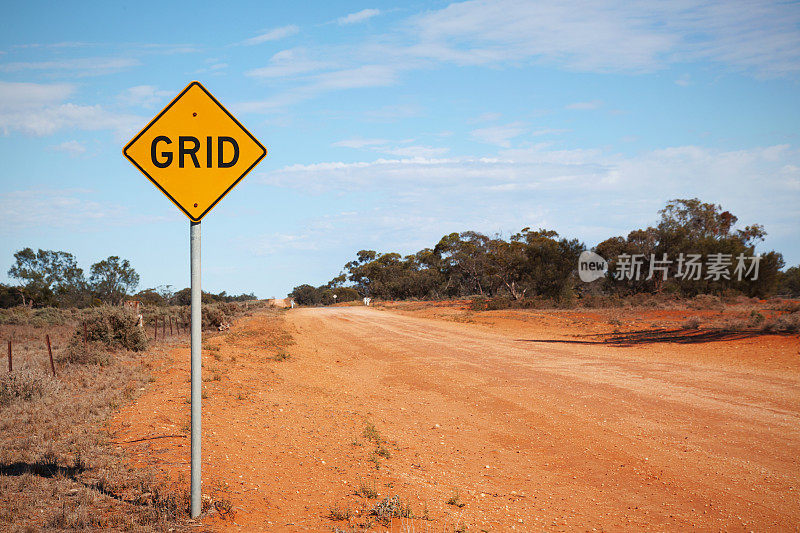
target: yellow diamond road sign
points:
(195, 151)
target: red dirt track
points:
(532, 430)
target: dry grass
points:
(391, 507)
(59, 470)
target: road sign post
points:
(195, 152)
(197, 365)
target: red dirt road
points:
(531, 435)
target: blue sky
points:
(389, 125)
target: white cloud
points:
(756, 35)
(48, 120)
(364, 76)
(16, 96)
(391, 113)
(65, 207)
(591, 194)
(487, 117)
(415, 151)
(585, 106)
(73, 148)
(273, 35)
(549, 131)
(360, 16)
(90, 66)
(400, 149)
(499, 135)
(147, 96)
(292, 62)
(39, 109)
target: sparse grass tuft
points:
(367, 491)
(281, 355)
(391, 507)
(455, 500)
(373, 458)
(371, 433)
(383, 452)
(339, 514)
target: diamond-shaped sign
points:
(195, 151)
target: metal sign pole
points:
(194, 240)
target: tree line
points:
(49, 278)
(540, 263)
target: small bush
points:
(706, 301)
(371, 433)
(282, 355)
(338, 514)
(367, 491)
(91, 354)
(25, 385)
(455, 500)
(756, 318)
(37, 317)
(691, 323)
(113, 327)
(213, 316)
(392, 507)
(784, 323)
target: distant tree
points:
(306, 295)
(465, 261)
(550, 262)
(49, 277)
(338, 281)
(789, 282)
(540, 263)
(182, 297)
(150, 298)
(509, 266)
(111, 279)
(689, 226)
(9, 296)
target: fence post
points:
(163, 328)
(10, 366)
(155, 328)
(50, 351)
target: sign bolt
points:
(194, 114)
(195, 205)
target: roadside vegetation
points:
(538, 268)
(59, 468)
